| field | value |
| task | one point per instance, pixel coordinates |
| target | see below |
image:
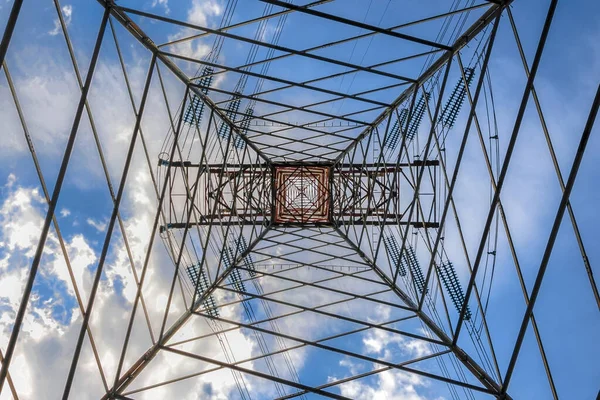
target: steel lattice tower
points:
(307, 218)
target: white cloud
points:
(100, 226)
(64, 212)
(352, 367)
(391, 385)
(162, 3)
(381, 342)
(203, 13)
(202, 10)
(45, 344)
(23, 232)
(67, 11)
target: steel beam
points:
(587, 131)
(241, 24)
(505, 164)
(357, 24)
(582, 250)
(109, 231)
(52, 205)
(141, 36)
(8, 31)
(461, 42)
(478, 372)
(264, 44)
(129, 376)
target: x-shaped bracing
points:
(489, 385)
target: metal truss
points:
(303, 216)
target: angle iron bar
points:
(333, 315)
(137, 367)
(463, 356)
(459, 227)
(274, 79)
(339, 223)
(331, 76)
(97, 140)
(215, 168)
(370, 209)
(244, 23)
(461, 42)
(398, 163)
(291, 313)
(337, 133)
(314, 235)
(11, 384)
(255, 373)
(262, 44)
(515, 258)
(255, 358)
(333, 99)
(299, 250)
(403, 146)
(555, 228)
(57, 229)
(365, 35)
(366, 297)
(307, 146)
(420, 209)
(275, 103)
(422, 169)
(101, 152)
(8, 31)
(316, 265)
(449, 195)
(313, 250)
(141, 36)
(169, 243)
(358, 24)
(53, 202)
(335, 350)
(366, 374)
(204, 247)
(306, 127)
(147, 258)
(585, 258)
(507, 158)
(109, 231)
(158, 213)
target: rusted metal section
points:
(302, 194)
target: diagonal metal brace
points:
(130, 375)
(480, 374)
(145, 40)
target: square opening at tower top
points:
(302, 194)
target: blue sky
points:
(46, 86)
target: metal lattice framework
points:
(305, 216)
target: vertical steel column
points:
(109, 231)
(53, 202)
(552, 239)
(10, 27)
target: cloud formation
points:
(67, 10)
